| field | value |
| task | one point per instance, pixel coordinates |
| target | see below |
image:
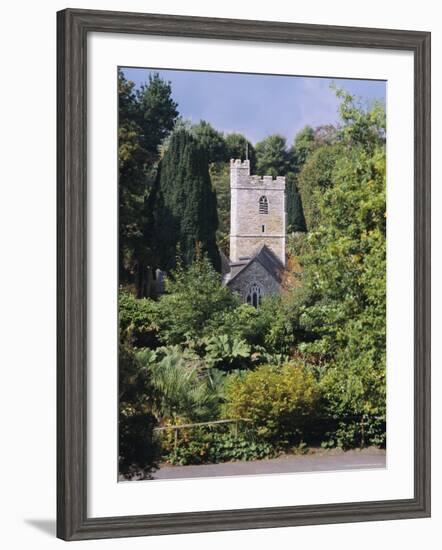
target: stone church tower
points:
(257, 234)
(257, 213)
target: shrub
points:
(137, 320)
(204, 445)
(355, 431)
(281, 333)
(354, 397)
(279, 400)
(194, 297)
(227, 353)
(244, 322)
(138, 451)
(181, 387)
(270, 326)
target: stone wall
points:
(246, 246)
(254, 273)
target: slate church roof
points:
(269, 261)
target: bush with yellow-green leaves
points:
(280, 400)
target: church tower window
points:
(263, 205)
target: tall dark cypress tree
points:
(146, 117)
(295, 212)
(185, 208)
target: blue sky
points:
(258, 105)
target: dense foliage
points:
(137, 447)
(279, 400)
(272, 157)
(307, 365)
(184, 204)
(146, 117)
(295, 212)
(194, 302)
(345, 273)
(199, 446)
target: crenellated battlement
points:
(238, 163)
(240, 177)
(264, 181)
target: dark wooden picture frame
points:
(73, 27)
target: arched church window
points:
(254, 295)
(263, 205)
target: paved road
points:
(321, 462)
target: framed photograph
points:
(243, 274)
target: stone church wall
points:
(246, 247)
(254, 274)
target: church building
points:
(257, 234)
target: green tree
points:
(218, 156)
(214, 144)
(138, 451)
(136, 318)
(303, 145)
(314, 178)
(272, 157)
(345, 276)
(363, 125)
(185, 204)
(220, 176)
(132, 179)
(157, 113)
(295, 212)
(238, 147)
(211, 140)
(305, 142)
(146, 116)
(195, 299)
